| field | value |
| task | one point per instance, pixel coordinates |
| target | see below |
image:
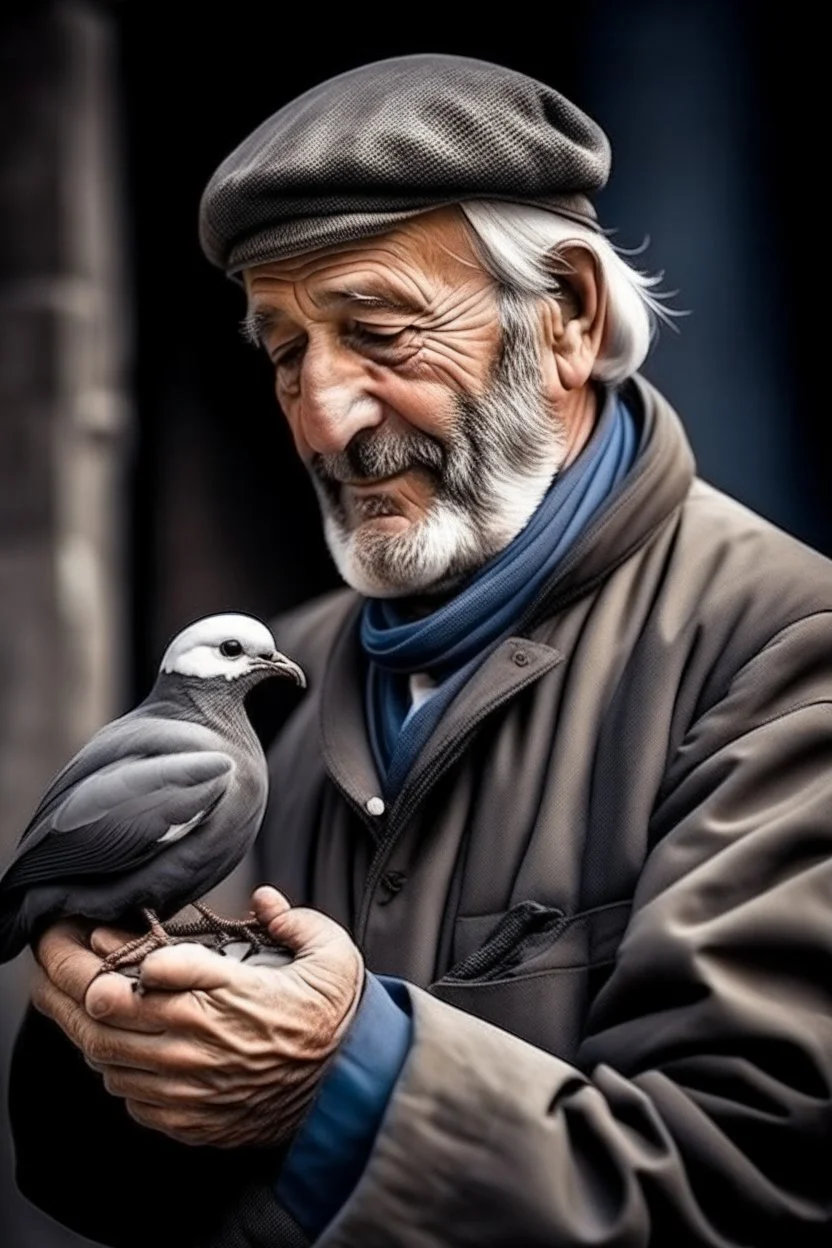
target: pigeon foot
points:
(225, 931)
(242, 939)
(134, 951)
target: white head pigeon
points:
(161, 804)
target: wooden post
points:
(64, 429)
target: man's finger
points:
(75, 973)
(112, 999)
(267, 903)
(157, 1088)
(106, 940)
(102, 1044)
(57, 1005)
(63, 953)
(307, 931)
(184, 967)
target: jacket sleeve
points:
(331, 1146)
(699, 1110)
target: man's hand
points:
(212, 1051)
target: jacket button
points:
(375, 806)
(392, 882)
(521, 658)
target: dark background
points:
(717, 145)
(692, 96)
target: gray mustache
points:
(371, 457)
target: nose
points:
(333, 403)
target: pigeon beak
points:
(285, 667)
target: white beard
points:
(507, 448)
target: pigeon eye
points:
(231, 649)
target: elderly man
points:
(555, 815)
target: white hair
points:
(522, 247)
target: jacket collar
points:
(655, 486)
(653, 489)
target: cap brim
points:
(295, 236)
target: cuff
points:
(335, 1139)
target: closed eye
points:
(382, 339)
(377, 333)
(289, 353)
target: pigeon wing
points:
(116, 741)
(121, 815)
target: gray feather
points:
(155, 810)
(117, 817)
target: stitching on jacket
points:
(797, 706)
(665, 790)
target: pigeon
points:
(159, 806)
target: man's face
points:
(418, 414)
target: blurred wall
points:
(112, 117)
(64, 426)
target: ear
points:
(574, 321)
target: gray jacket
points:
(607, 881)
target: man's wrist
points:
(335, 1137)
(308, 1088)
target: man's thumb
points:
(183, 967)
(306, 931)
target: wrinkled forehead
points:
(407, 263)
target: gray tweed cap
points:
(364, 150)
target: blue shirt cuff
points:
(335, 1139)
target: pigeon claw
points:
(230, 929)
(133, 952)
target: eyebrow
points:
(381, 300)
(258, 323)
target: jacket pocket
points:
(516, 937)
(533, 970)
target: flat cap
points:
(385, 141)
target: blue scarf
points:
(450, 643)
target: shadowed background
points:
(146, 477)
